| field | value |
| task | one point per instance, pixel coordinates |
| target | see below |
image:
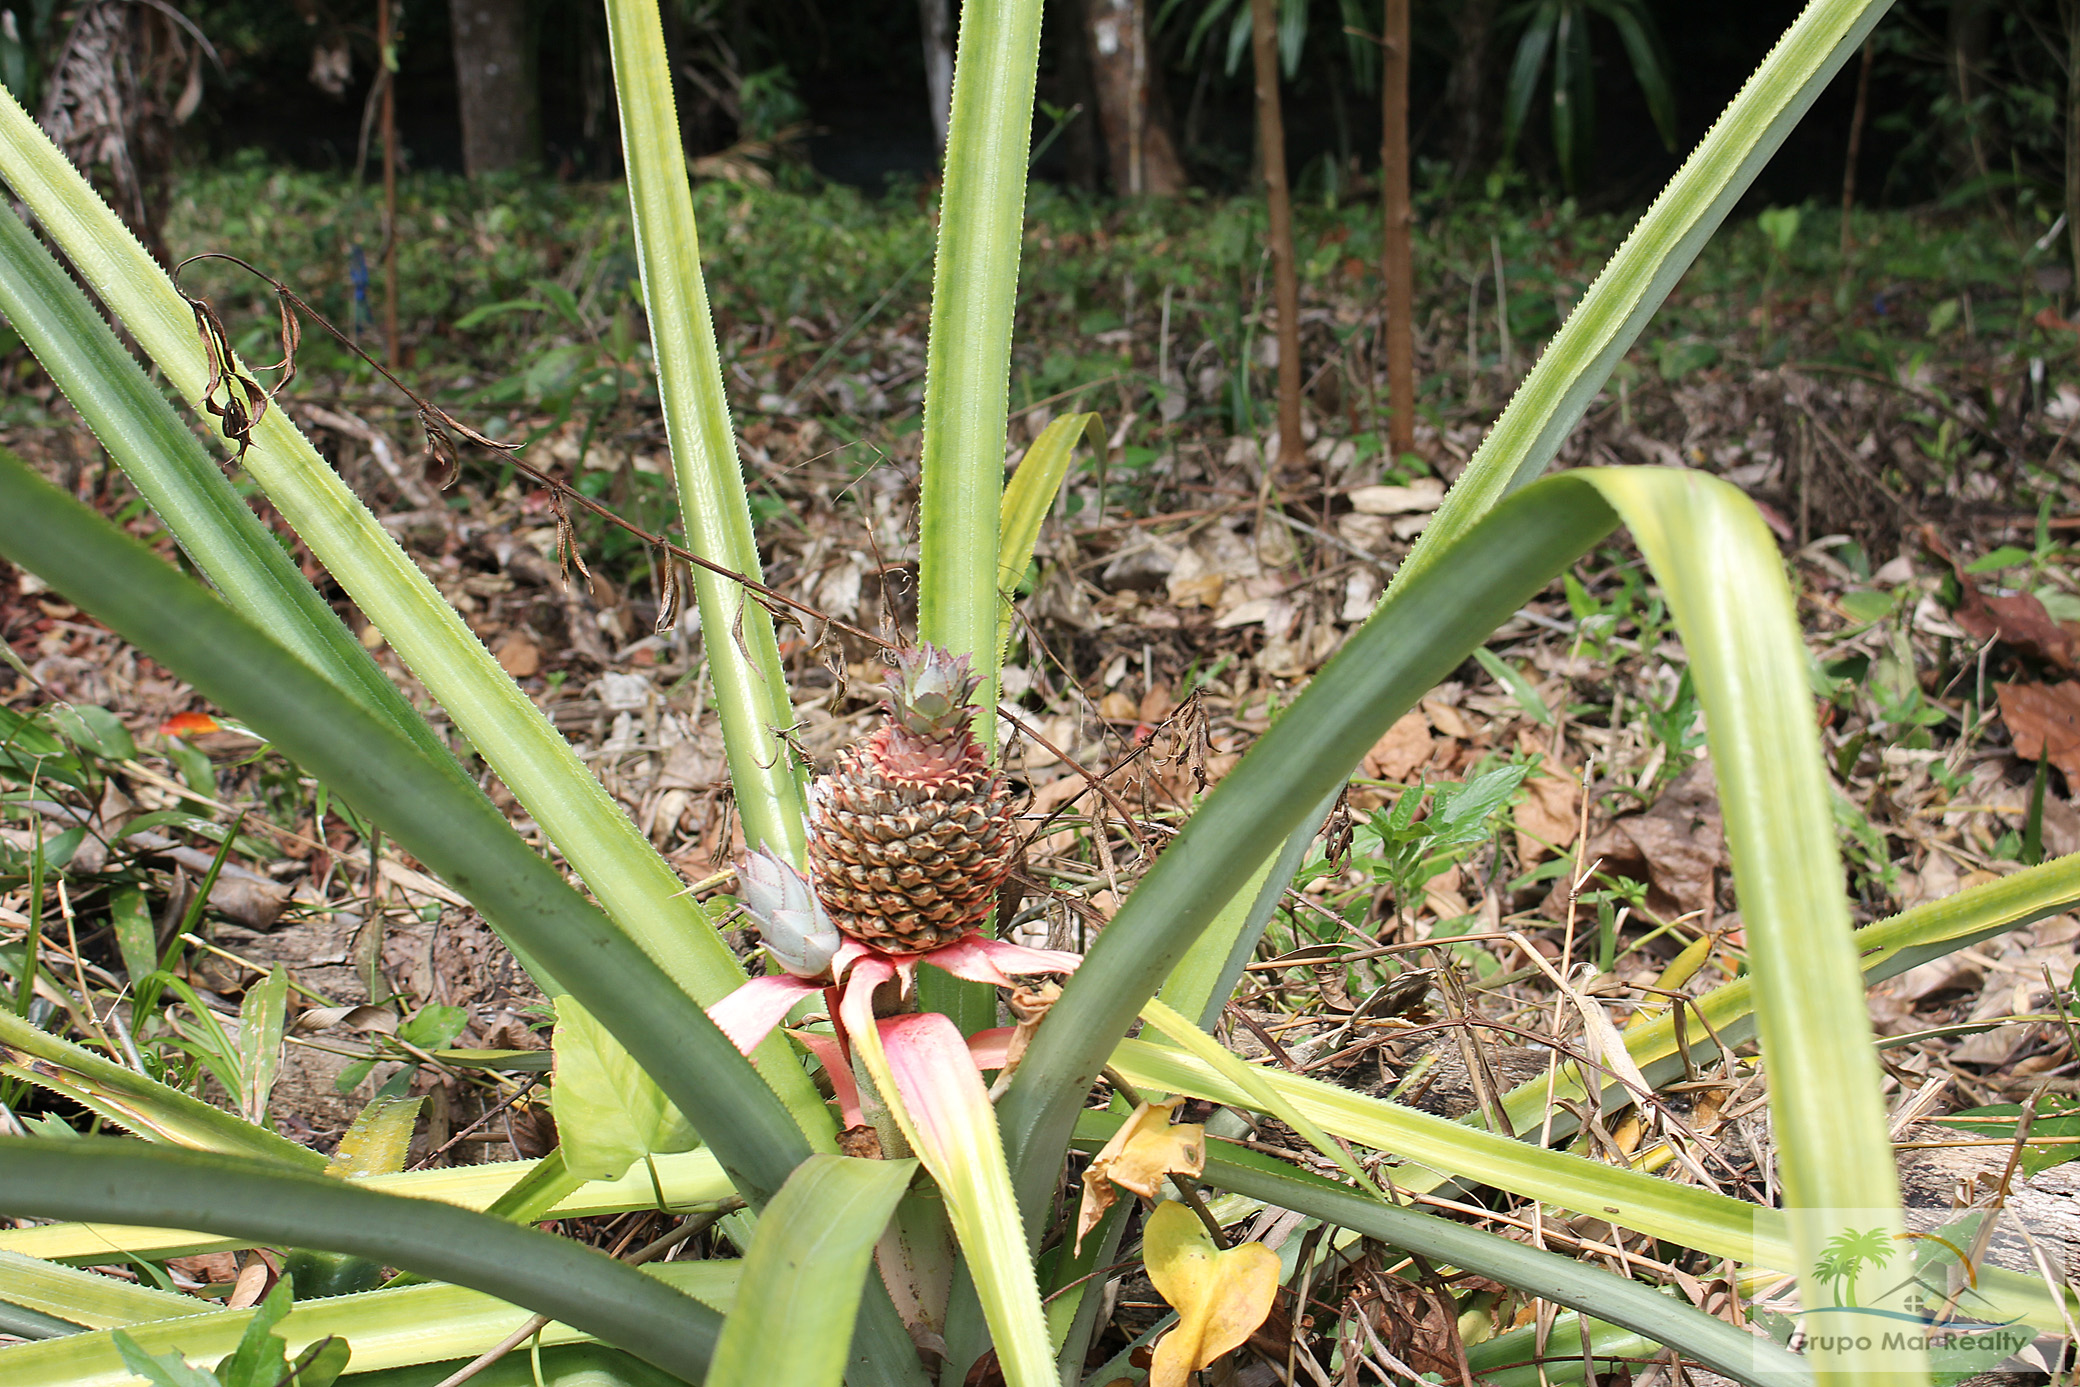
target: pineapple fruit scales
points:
(911, 833)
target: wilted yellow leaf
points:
(1220, 1297)
(1145, 1149)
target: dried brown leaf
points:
(2044, 720)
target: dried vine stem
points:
(246, 402)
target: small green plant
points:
(432, 1027)
(1675, 728)
(1411, 851)
(260, 1360)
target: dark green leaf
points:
(432, 1026)
(2056, 1119)
(447, 825)
(94, 729)
(262, 1356)
(127, 1181)
(162, 1370)
(476, 317)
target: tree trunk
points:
(2072, 14)
(494, 85)
(1971, 37)
(1856, 119)
(1398, 255)
(1271, 139)
(937, 19)
(388, 122)
(1072, 90)
(1137, 141)
(1466, 85)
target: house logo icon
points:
(1913, 1294)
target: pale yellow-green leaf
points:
(386, 1329)
(260, 1017)
(378, 1139)
(1178, 1029)
(608, 1112)
(131, 1100)
(1029, 495)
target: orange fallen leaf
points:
(1550, 815)
(2017, 619)
(1146, 1148)
(518, 656)
(2048, 319)
(1220, 1297)
(1404, 749)
(189, 725)
(2044, 720)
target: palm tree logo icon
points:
(1847, 1253)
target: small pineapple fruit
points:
(910, 834)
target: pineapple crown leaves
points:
(930, 689)
(790, 919)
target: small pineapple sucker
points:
(910, 835)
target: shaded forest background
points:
(1966, 99)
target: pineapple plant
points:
(910, 834)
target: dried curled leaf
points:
(1147, 1147)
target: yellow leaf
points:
(1220, 1297)
(1145, 1149)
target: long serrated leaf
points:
(1180, 1031)
(688, 1179)
(802, 1275)
(123, 1179)
(968, 357)
(635, 886)
(461, 837)
(750, 687)
(166, 462)
(85, 1297)
(1661, 247)
(1438, 1151)
(1543, 1274)
(387, 1329)
(134, 1102)
(1724, 581)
